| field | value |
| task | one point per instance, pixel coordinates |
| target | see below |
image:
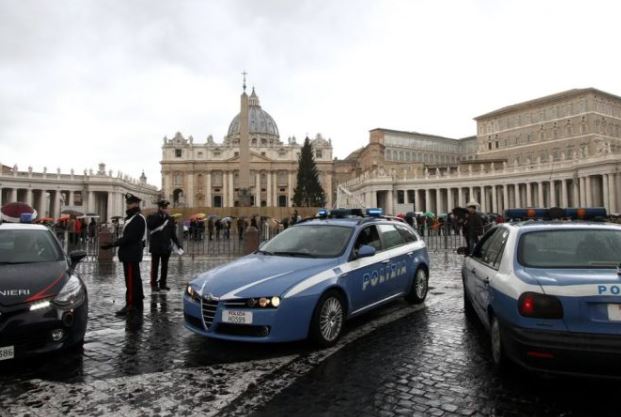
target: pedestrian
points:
(210, 227)
(162, 237)
(473, 226)
(131, 243)
(92, 229)
(240, 227)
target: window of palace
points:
(318, 154)
(263, 203)
(400, 197)
(178, 153)
(254, 141)
(282, 201)
(200, 154)
(263, 141)
(263, 154)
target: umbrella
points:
(45, 220)
(176, 215)
(63, 218)
(198, 216)
(460, 212)
(410, 214)
(429, 214)
(227, 219)
(72, 212)
(11, 212)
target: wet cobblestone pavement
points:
(400, 360)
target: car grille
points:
(209, 307)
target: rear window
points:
(577, 248)
(28, 246)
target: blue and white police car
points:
(310, 278)
(549, 291)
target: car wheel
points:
(499, 358)
(328, 319)
(420, 287)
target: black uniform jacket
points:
(160, 240)
(131, 244)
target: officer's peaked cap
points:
(130, 198)
(163, 203)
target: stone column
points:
(529, 195)
(290, 188)
(540, 200)
(582, 194)
(605, 192)
(232, 189)
(553, 193)
(389, 202)
(438, 201)
(461, 192)
(470, 194)
(589, 197)
(208, 197)
(29, 196)
(612, 191)
(427, 205)
(494, 199)
(43, 207)
(71, 199)
(56, 209)
(564, 199)
(1, 203)
(269, 189)
(275, 188)
(483, 199)
(189, 195)
(505, 197)
(516, 196)
(257, 189)
(13, 197)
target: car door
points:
(413, 254)
(394, 263)
(362, 281)
(482, 268)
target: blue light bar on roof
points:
(26, 218)
(375, 212)
(556, 213)
(323, 213)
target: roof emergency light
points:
(323, 213)
(375, 212)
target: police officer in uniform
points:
(161, 238)
(131, 245)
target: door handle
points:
(386, 261)
(486, 280)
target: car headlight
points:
(71, 294)
(264, 302)
(192, 293)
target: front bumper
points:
(564, 352)
(31, 332)
(289, 322)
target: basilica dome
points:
(259, 121)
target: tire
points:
(328, 319)
(420, 287)
(499, 357)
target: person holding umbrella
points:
(131, 244)
(161, 238)
(473, 226)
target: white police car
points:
(549, 292)
(309, 279)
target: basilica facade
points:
(207, 174)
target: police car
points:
(549, 291)
(43, 302)
(310, 278)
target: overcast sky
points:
(84, 81)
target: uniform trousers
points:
(155, 263)
(133, 284)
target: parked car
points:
(43, 301)
(308, 280)
(549, 293)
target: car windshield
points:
(28, 246)
(309, 241)
(573, 248)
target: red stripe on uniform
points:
(130, 285)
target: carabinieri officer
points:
(131, 245)
(162, 236)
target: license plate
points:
(7, 352)
(614, 312)
(237, 317)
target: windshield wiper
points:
(301, 254)
(264, 252)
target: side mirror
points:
(366, 251)
(76, 256)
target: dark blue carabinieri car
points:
(43, 302)
(308, 280)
